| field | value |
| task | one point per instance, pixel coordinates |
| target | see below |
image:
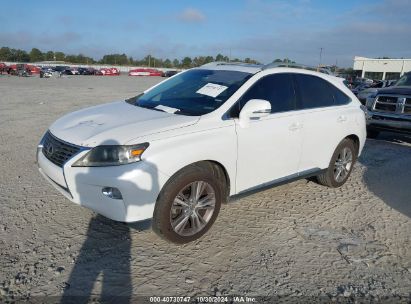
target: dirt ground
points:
(301, 239)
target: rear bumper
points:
(139, 184)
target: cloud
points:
(372, 30)
(192, 15)
(259, 29)
(340, 42)
(265, 12)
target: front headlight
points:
(106, 155)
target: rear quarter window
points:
(339, 96)
(315, 92)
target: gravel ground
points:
(300, 239)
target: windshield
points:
(195, 92)
(405, 80)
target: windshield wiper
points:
(133, 100)
(150, 108)
(185, 112)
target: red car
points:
(3, 68)
(108, 72)
(31, 69)
(145, 72)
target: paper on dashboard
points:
(212, 89)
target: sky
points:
(260, 29)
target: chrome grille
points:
(58, 151)
(386, 107)
(392, 104)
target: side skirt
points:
(277, 182)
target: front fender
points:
(176, 152)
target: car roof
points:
(255, 68)
(233, 66)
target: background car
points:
(3, 68)
(74, 71)
(46, 72)
(169, 73)
(371, 89)
(108, 72)
(22, 69)
(359, 87)
(145, 72)
(389, 109)
(61, 68)
(86, 71)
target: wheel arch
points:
(226, 176)
(215, 165)
(356, 140)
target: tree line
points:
(36, 55)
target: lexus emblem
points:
(50, 149)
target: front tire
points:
(341, 165)
(189, 203)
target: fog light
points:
(112, 192)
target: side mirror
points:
(255, 109)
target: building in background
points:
(381, 69)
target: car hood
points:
(367, 91)
(115, 123)
(400, 90)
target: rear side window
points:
(278, 89)
(339, 97)
(316, 92)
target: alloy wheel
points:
(192, 208)
(343, 164)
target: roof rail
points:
(297, 66)
(238, 63)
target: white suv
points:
(177, 152)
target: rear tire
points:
(341, 165)
(189, 203)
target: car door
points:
(326, 115)
(269, 147)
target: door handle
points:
(295, 126)
(342, 118)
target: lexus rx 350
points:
(178, 151)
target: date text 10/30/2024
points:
(206, 299)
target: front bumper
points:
(389, 122)
(139, 183)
